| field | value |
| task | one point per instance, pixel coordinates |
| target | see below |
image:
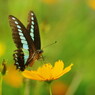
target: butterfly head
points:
(39, 53)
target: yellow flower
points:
(13, 77)
(91, 4)
(47, 72)
(2, 49)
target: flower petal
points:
(31, 75)
(58, 68)
(67, 69)
(45, 71)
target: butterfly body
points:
(36, 55)
(27, 41)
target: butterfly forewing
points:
(20, 34)
(33, 29)
(15, 28)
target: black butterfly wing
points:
(20, 34)
(23, 41)
(33, 29)
(19, 59)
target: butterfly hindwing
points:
(33, 29)
(19, 59)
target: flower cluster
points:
(47, 72)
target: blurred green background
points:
(69, 22)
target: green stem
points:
(37, 88)
(49, 85)
(0, 84)
(27, 87)
(50, 89)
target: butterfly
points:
(27, 41)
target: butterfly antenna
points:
(49, 45)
